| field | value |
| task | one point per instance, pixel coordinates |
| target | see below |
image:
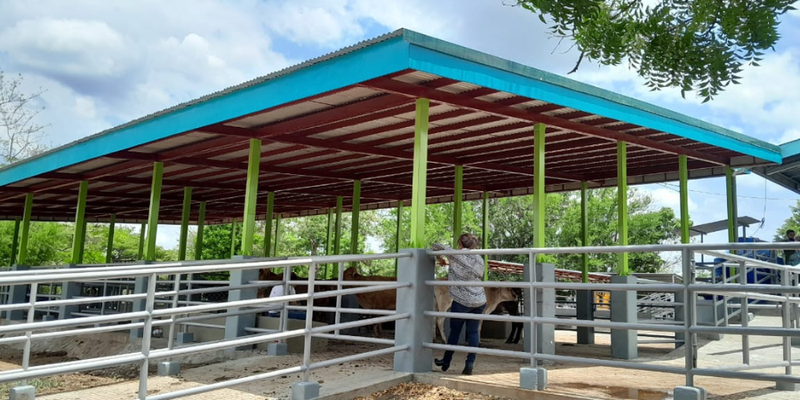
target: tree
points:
(691, 44)
(20, 135)
(793, 222)
(511, 226)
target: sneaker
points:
(441, 363)
(467, 370)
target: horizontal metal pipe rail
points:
(186, 315)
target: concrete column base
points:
(305, 390)
(533, 378)
(585, 308)
(185, 337)
(17, 294)
(689, 393)
(277, 349)
(787, 386)
(22, 393)
(624, 343)
(169, 368)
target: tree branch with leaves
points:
(694, 45)
(20, 135)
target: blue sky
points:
(105, 63)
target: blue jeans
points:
(292, 314)
(473, 335)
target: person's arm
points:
(440, 247)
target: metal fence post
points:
(235, 325)
(139, 287)
(70, 290)
(545, 307)
(624, 342)
(415, 300)
(17, 294)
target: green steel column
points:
(398, 232)
(329, 233)
(328, 242)
(538, 186)
(201, 222)
(684, 188)
(730, 181)
(141, 241)
(80, 224)
(251, 197)
(15, 242)
(277, 235)
(233, 238)
(110, 245)
(419, 180)
(485, 235)
(355, 218)
(26, 229)
(187, 209)
(268, 224)
(622, 205)
(457, 201)
(155, 204)
(585, 230)
(337, 234)
(83, 240)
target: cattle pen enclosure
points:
(408, 355)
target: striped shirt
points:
(465, 268)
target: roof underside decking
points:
(313, 148)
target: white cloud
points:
(68, 47)
(105, 63)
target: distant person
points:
(471, 300)
(277, 291)
(790, 257)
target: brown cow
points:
(266, 274)
(494, 296)
(381, 300)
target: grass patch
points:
(41, 385)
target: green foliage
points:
(511, 226)
(691, 44)
(793, 222)
(50, 243)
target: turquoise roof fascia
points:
(790, 149)
(366, 62)
(462, 64)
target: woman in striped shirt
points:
(466, 299)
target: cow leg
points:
(519, 331)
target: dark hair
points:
(790, 231)
(468, 241)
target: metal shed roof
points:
(349, 115)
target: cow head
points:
(351, 274)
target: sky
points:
(105, 63)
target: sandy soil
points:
(564, 378)
(420, 391)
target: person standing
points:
(466, 299)
(790, 257)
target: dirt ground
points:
(419, 391)
(564, 378)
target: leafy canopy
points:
(691, 44)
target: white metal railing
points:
(177, 313)
(783, 296)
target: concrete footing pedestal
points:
(305, 390)
(22, 393)
(533, 378)
(689, 393)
